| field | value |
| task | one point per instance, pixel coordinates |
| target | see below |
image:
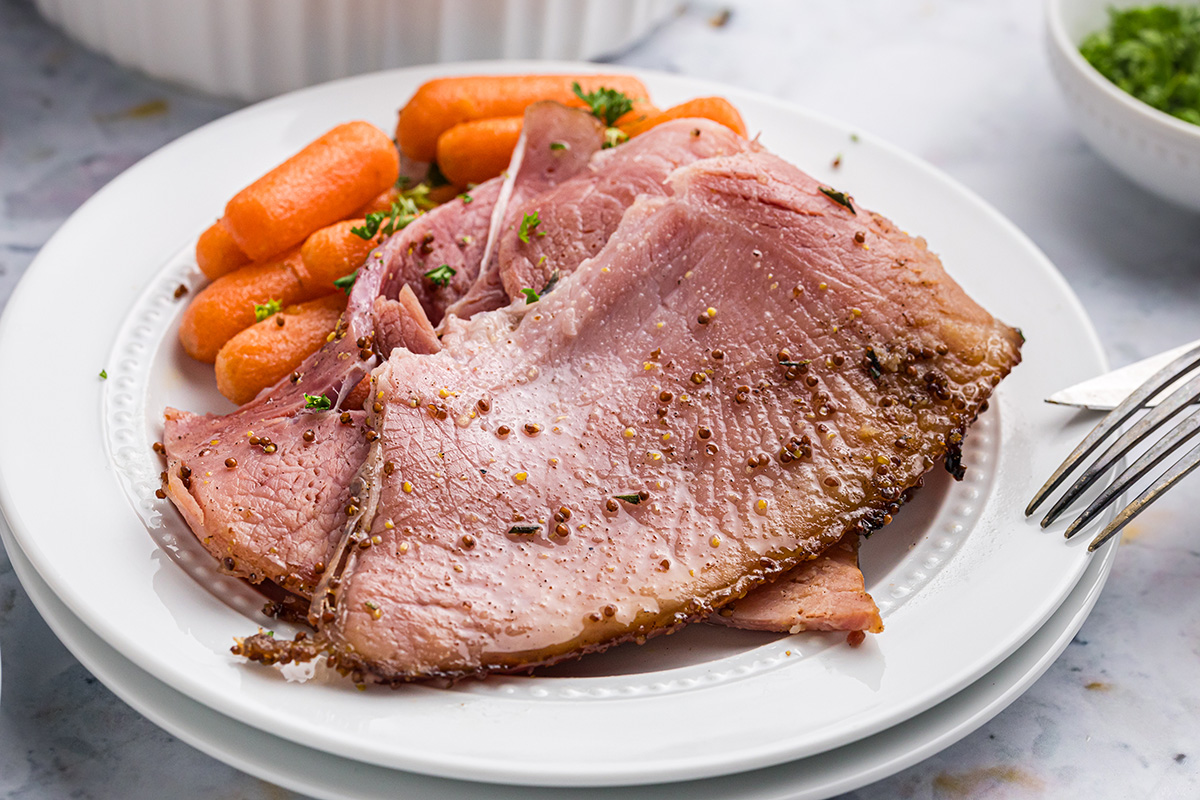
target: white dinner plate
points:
(324, 775)
(962, 578)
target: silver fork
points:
(1167, 409)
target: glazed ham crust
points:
(763, 369)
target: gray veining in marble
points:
(962, 84)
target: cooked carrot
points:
(323, 183)
(380, 202)
(217, 253)
(718, 109)
(475, 151)
(226, 306)
(331, 253)
(267, 351)
(443, 103)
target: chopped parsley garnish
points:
(346, 281)
(419, 194)
(530, 295)
(632, 499)
(403, 211)
(524, 529)
(466, 198)
(267, 309)
(552, 282)
(558, 145)
(441, 275)
(528, 224)
(606, 105)
(839, 197)
(103, 374)
(1153, 53)
(318, 402)
(613, 137)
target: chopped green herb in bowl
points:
(1153, 53)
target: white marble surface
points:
(960, 83)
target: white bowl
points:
(1155, 150)
(253, 49)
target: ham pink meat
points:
(746, 372)
(825, 594)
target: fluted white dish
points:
(963, 579)
(251, 49)
(1155, 150)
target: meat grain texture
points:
(768, 368)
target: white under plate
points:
(963, 579)
(323, 775)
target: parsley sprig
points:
(607, 105)
(346, 282)
(528, 224)
(403, 211)
(317, 402)
(441, 275)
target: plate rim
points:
(73, 633)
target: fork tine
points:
(1114, 419)
(1148, 461)
(1177, 401)
(1165, 481)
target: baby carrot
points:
(217, 253)
(331, 253)
(475, 151)
(326, 181)
(269, 350)
(227, 305)
(718, 109)
(443, 103)
(380, 202)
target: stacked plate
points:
(977, 601)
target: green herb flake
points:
(528, 226)
(613, 137)
(632, 499)
(530, 295)
(552, 282)
(1152, 53)
(606, 105)
(267, 309)
(466, 198)
(524, 529)
(405, 208)
(559, 145)
(839, 197)
(346, 282)
(103, 374)
(441, 275)
(318, 402)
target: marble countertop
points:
(963, 85)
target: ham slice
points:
(747, 371)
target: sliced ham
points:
(770, 368)
(824, 594)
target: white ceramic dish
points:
(253, 49)
(1155, 150)
(963, 579)
(320, 774)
